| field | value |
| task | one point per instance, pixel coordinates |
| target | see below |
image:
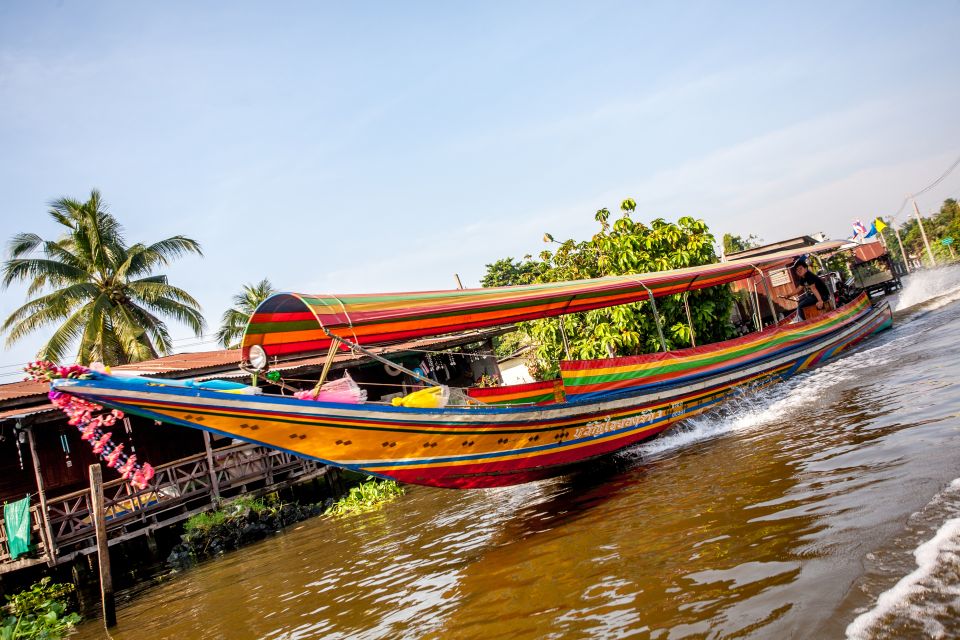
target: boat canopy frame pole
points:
(379, 358)
(766, 288)
(656, 316)
(755, 299)
(563, 335)
(331, 354)
(686, 307)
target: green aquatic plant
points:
(39, 612)
(243, 506)
(366, 496)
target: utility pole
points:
(923, 233)
(903, 254)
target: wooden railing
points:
(37, 535)
(178, 490)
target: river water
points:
(827, 507)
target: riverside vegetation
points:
(42, 611)
(367, 496)
(622, 246)
(247, 519)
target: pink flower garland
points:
(83, 415)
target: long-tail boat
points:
(595, 408)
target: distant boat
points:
(503, 435)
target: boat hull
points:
(485, 446)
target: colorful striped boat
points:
(519, 433)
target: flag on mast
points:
(859, 230)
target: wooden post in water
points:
(97, 514)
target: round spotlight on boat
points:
(258, 358)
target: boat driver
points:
(813, 284)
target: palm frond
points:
(58, 346)
(97, 343)
(91, 267)
(39, 268)
(66, 211)
(154, 327)
(234, 321)
(147, 257)
(184, 314)
(26, 323)
(23, 243)
(253, 295)
(149, 291)
(133, 335)
(46, 309)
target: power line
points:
(938, 180)
(930, 186)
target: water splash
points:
(751, 410)
(909, 597)
(941, 286)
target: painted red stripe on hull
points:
(510, 472)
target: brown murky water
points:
(792, 514)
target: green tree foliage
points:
(506, 272)
(624, 247)
(890, 239)
(234, 320)
(102, 293)
(943, 224)
(839, 262)
(733, 244)
(946, 224)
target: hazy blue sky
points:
(386, 146)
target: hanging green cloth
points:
(16, 517)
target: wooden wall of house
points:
(15, 482)
(62, 471)
(782, 286)
(159, 444)
(65, 470)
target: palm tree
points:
(102, 293)
(234, 321)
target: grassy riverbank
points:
(247, 519)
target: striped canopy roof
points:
(293, 323)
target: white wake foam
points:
(944, 547)
(942, 286)
(751, 410)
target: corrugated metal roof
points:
(23, 412)
(869, 251)
(223, 363)
(184, 362)
(22, 389)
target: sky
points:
(360, 147)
